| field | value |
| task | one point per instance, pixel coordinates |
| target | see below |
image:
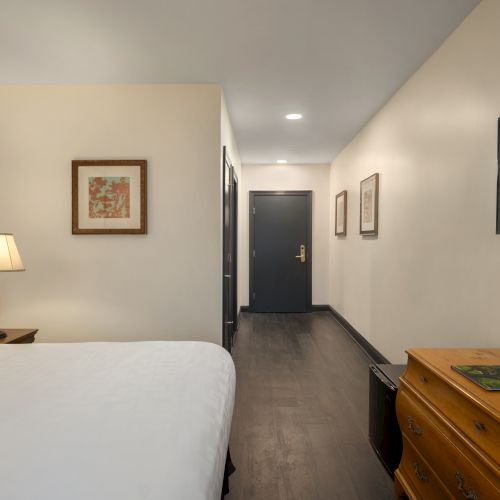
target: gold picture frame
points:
(341, 214)
(368, 205)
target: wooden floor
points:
(300, 426)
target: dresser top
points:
(17, 335)
(440, 361)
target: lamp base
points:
(2, 335)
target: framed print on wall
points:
(109, 196)
(368, 206)
(341, 214)
(498, 177)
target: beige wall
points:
(228, 139)
(289, 177)
(432, 277)
(165, 285)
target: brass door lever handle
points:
(302, 255)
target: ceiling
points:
(335, 61)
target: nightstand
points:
(18, 336)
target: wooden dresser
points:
(450, 427)
(19, 336)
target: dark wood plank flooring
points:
(300, 426)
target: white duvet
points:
(114, 421)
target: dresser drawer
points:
(478, 426)
(402, 490)
(460, 474)
(425, 484)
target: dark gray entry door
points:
(280, 251)
(229, 262)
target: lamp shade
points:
(10, 260)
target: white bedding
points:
(114, 421)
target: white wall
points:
(432, 277)
(289, 177)
(165, 285)
(228, 138)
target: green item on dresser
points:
(485, 376)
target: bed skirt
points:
(228, 470)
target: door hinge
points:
(229, 258)
(253, 253)
(253, 295)
(253, 210)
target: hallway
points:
(300, 423)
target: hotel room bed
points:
(114, 421)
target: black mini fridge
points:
(384, 432)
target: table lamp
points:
(10, 260)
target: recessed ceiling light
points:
(293, 116)
(281, 161)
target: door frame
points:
(234, 272)
(251, 212)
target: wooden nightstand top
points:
(18, 336)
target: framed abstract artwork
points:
(498, 177)
(109, 197)
(368, 206)
(341, 214)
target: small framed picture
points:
(341, 214)
(498, 177)
(109, 197)
(368, 203)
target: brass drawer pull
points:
(479, 425)
(470, 494)
(413, 427)
(422, 476)
(423, 379)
